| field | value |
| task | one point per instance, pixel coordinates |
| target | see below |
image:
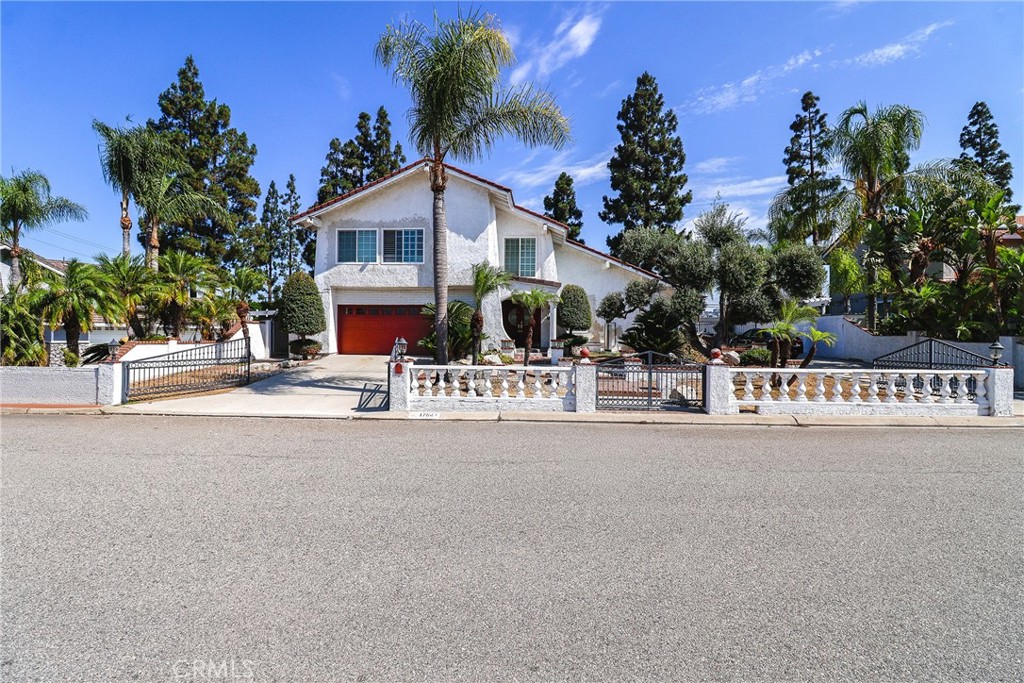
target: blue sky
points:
(297, 74)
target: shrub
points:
(304, 347)
(655, 329)
(302, 311)
(756, 358)
(71, 359)
(574, 309)
(460, 334)
(573, 343)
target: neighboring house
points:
(52, 265)
(374, 264)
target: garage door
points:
(372, 330)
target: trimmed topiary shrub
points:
(574, 309)
(302, 311)
(756, 358)
(71, 360)
(304, 347)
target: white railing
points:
(834, 391)
(485, 382)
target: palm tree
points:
(783, 329)
(181, 274)
(163, 196)
(244, 284)
(69, 300)
(21, 334)
(26, 204)
(459, 109)
(989, 218)
(873, 149)
(127, 155)
(816, 336)
(487, 279)
(530, 302)
(132, 283)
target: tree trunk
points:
(872, 302)
(846, 304)
(15, 258)
(126, 227)
(810, 355)
(477, 328)
(72, 333)
(242, 311)
(529, 339)
(437, 186)
(153, 250)
(136, 325)
(720, 339)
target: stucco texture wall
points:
(91, 385)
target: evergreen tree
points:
(272, 234)
(980, 141)
(217, 158)
(647, 167)
(299, 245)
(363, 159)
(800, 212)
(561, 206)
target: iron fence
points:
(935, 354)
(203, 368)
(649, 381)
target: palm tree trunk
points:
(126, 227)
(872, 302)
(477, 328)
(810, 355)
(15, 258)
(846, 304)
(136, 325)
(72, 333)
(529, 339)
(153, 250)
(437, 185)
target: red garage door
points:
(372, 330)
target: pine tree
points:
(299, 245)
(273, 233)
(218, 158)
(647, 167)
(363, 159)
(561, 206)
(802, 214)
(980, 137)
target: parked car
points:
(757, 334)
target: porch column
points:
(553, 329)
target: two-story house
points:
(374, 264)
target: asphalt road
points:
(195, 549)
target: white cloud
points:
(583, 172)
(731, 189)
(728, 95)
(909, 45)
(715, 165)
(341, 86)
(572, 39)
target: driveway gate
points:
(196, 370)
(934, 354)
(649, 381)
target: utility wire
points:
(77, 239)
(50, 244)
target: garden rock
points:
(731, 358)
(491, 359)
(683, 392)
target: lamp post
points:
(112, 346)
(995, 351)
(401, 346)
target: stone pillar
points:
(585, 386)
(718, 390)
(398, 385)
(1000, 391)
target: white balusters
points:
(873, 387)
(961, 387)
(819, 388)
(908, 390)
(981, 392)
(748, 386)
(837, 387)
(944, 390)
(520, 384)
(504, 383)
(890, 387)
(801, 388)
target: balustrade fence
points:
(482, 387)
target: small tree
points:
(561, 205)
(531, 302)
(846, 274)
(574, 310)
(487, 279)
(302, 311)
(70, 299)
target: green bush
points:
(71, 360)
(460, 334)
(304, 347)
(655, 329)
(756, 358)
(572, 343)
(302, 311)
(574, 309)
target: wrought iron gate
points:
(195, 370)
(934, 354)
(649, 381)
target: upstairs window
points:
(521, 256)
(403, 246)
(357, 246)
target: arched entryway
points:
(514, 319)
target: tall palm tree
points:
(487, 279)
(873, 150)
(70, 299)
(459, 109)
(180, 275)
(163, 196)
(26, 204)
(131, 282)
(530, 302)
(127, 155)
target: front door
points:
(514, 317)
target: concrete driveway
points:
(333, 386)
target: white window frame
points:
(337, 246)
(423, 240)
(536, 255)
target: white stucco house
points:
(374, 263)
